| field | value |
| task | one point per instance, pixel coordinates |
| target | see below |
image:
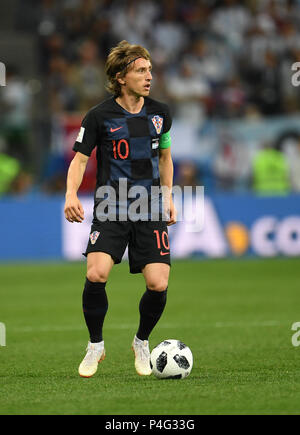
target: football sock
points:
(151, 308)
(95, 305)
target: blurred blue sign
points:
(35, 229)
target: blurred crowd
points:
(212, 59)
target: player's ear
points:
(120, 79)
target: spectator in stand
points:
(231, 166)
(186, 174)
(189, 94)
(62, 95)
(223, 59)
(87, 76)
(295, 167)
(233, 99)
(15, 106)
(13, 179)
(231, 21)
(169, 34)
(9, 169)
(237, 48)
(271, 172)
(289, 142)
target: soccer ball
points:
(171, 359)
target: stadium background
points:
(225, 69)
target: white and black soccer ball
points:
(171, 359)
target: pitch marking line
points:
(60, 328)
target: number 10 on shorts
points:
(162, 240)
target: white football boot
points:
(142, 356)
(95, 354)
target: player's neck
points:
(131, 103)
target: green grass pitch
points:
(236, 315)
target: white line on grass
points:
(61, 328)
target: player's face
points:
(138, 79)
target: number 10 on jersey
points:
(120, 149)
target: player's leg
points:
(106, 246)
(154, 299)
(94, 299)
(95, 305)
(149, 253)
(151, 307)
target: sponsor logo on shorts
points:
(94, 237)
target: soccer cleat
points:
(142, 356)
(95, 354)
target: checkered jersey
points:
(127, 144)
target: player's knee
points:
(96, 275)
(158, 285)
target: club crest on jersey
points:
(94, 236)
(157, 122)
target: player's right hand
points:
(73, 209)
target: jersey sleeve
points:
(167, 120)
(88, 136)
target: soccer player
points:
(132, 134)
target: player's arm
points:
(166, 171)
(73, 209)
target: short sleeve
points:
(88, 136)
(167, 120)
